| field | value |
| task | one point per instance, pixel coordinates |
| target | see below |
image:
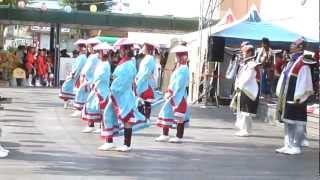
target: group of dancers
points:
(294, 88)
(121, 101)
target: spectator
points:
(64, 53)
(20, 54)
(50, 64)
(29, 64)
(42, 68)
(278, 67)
(158, 70)
(314, 67)
(75, 54)
(265, 58)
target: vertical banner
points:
(65, 67)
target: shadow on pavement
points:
(20, 110)
(22, 126)
(15, 120)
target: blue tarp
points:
(252, 28)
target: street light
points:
(21, 4)
(93, 8)
(67, 9)
(44, 7)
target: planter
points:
(4, 83)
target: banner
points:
(65, 67)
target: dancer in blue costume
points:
(98, 97)
(121, 113)
(86, 78)
(67, 91)
(144, 81)
(175, 110)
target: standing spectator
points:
(278, 66)
(20, 54)
(42, 68)
(75, 54)
(64, 53)
(265, 58)
(157, 71)
(50, 69)
(29, 64)
(316, 72)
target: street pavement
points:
(46, 143)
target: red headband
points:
(126, 46)
(149, 47)
(182, 57)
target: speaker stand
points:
(216, 82)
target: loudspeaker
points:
(215, 49)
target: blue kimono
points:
(144, 82)
(99, 94)
(86, 79)
(67, 90)
(122, 104)
(176, 108)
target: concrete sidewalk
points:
(46, 143)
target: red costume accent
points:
(29, 62)
(42, 66)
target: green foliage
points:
(9, 61)
(8, 2)
(12, 2)
(66, 2)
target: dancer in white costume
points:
(293, 89)
(246, 98)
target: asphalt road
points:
(46, 143)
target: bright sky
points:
(179, 8)
(291, 14)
